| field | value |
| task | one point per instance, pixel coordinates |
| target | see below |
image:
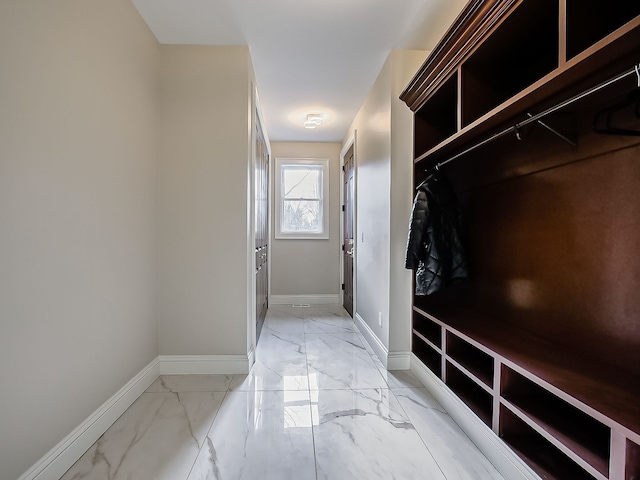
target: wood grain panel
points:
(557, 252)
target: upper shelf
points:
(521, 50)
(589, 21)
(506, 57)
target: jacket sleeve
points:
(417, 224)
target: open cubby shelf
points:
(589, 21)
(536, 451)
(517, 54)
(633, 461)
(428, 329)
(437, 120)
(427, 355)
(479, 363)
(472, 394)
(586, 437)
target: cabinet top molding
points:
(473, 24)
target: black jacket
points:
(434, 248)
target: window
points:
(302, 198)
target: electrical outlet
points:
(380, 319)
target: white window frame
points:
(279, 201)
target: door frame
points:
(351, 142)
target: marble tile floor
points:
(317, 405)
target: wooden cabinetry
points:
(543, 342)
(261, 226)
(568, 418)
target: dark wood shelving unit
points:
(541, 344)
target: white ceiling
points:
(309, 55)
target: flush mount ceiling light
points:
(312, 117)
(313, 120)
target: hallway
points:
(317, 405)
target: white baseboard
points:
(390, 360)
(503, 458)
(399, 361)
(319, 299)
(205, 364)
(372, 339)
(59, 459)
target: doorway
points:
(348, 244)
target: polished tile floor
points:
(317, 405)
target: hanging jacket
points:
(434, 248)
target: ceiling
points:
(309, 56)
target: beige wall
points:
(309, 267)
(203, 200)
(373, 156)
(430, 24)
(77, 215)
(405, 63)
(383, 185)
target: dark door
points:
(348, 228)
(261, 227)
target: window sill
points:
(302, 236)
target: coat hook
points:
(517, 129)
(638, 74)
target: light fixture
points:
(313, 120)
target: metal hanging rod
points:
(536, 118)
(554, 131)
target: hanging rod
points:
(536, 118)
(555, 132)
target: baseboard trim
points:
(503, 458)
(372, 339)
(205, 364)
(319, 299)
(251, 355)
(61, 457)
(399, 361)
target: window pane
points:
(301, 181)
(301, 216)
